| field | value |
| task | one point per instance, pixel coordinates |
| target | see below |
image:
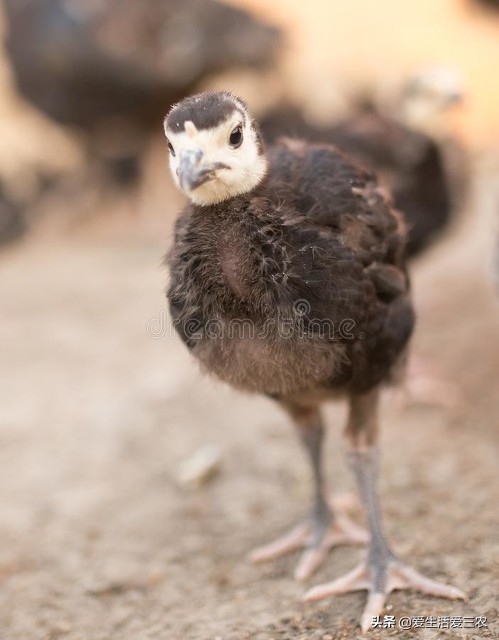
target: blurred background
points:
(130, 484)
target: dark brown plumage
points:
(316, 232)
(292, 284)
(410, 163)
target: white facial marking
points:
(190, 128)
(244, 167)
(431, 95)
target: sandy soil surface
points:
(99, 408)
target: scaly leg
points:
(326, 527)
(382, 572)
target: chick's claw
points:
(394, 576)
(316, 539)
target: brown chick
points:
(287, 278)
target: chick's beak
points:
(193, 171)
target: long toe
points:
(342, 532)
(404, 577)
(316, 539)
(291, 541)
(310, 561)
(374, 608)
(398, 576)
(355, 580)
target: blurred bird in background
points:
(108, 68)
(404, 138)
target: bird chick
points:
(287, 279)
(424, 100)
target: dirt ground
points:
(99, 408)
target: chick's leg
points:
(382, 572)
(328, 525)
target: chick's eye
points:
(170, 147)
(236, 137)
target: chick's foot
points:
(381, 576)
(317, 535)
